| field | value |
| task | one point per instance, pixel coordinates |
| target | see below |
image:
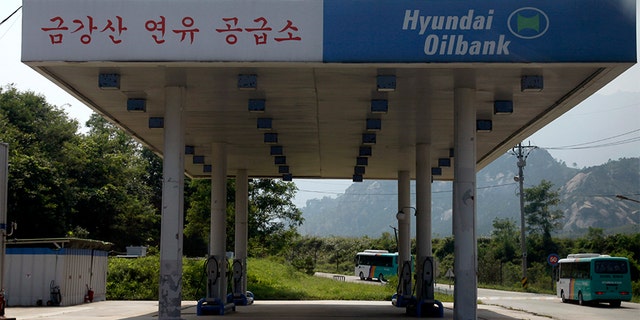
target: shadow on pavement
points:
(316, 310)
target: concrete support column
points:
(242, 227)
(170, 295)
(404, 219)
(218, 233)
(424, 288)
(464, 206)
(404, 230)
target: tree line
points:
(102, 184)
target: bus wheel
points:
(580, 300)
(381, 278)
(615, 304)
(361, 275)
(564, 300)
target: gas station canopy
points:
(334, 88)
(361, 89)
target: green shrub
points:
(138, 279)
(133, 279)
(304, 265)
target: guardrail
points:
(339, 278)
(442, 288)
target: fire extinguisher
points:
(89, 296)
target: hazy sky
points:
(598, 129)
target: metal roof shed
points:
(55, 271)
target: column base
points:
(426, 308)
(402, 301)
(213, 307)
(241, 300)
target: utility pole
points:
(522, 152)
(395, 231)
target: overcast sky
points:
(605, 126)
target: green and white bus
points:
(378, 264)
(590, 277)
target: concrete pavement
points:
(308, 310)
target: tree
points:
(198, 216)
(271, 210)
(540, 216)
(593, 241)
(504, 238)
(42, 149)
(153, 177)
(386, 242)
(63, 183)
(272, 218)
(114, 202)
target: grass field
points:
(268, 279)
(272, 280)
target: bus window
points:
(582, 270)
(611, 266)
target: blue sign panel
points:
(479, 31)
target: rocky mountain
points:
(588, 199)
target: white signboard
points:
(185, 30)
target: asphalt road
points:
(536, 304)
(551, 306)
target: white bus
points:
(379, 264)
(591, 277)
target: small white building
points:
(60, 271)
(134, 252)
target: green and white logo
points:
(528, 23)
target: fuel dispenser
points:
(214, 303)
(404, 295)
(239, 296)
(426, 305)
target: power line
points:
(11, 15)
(611, 144)
(608, 110)
(10, 26)
(608, 195)
(395, 193)
(449, 191)
(590, 144)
